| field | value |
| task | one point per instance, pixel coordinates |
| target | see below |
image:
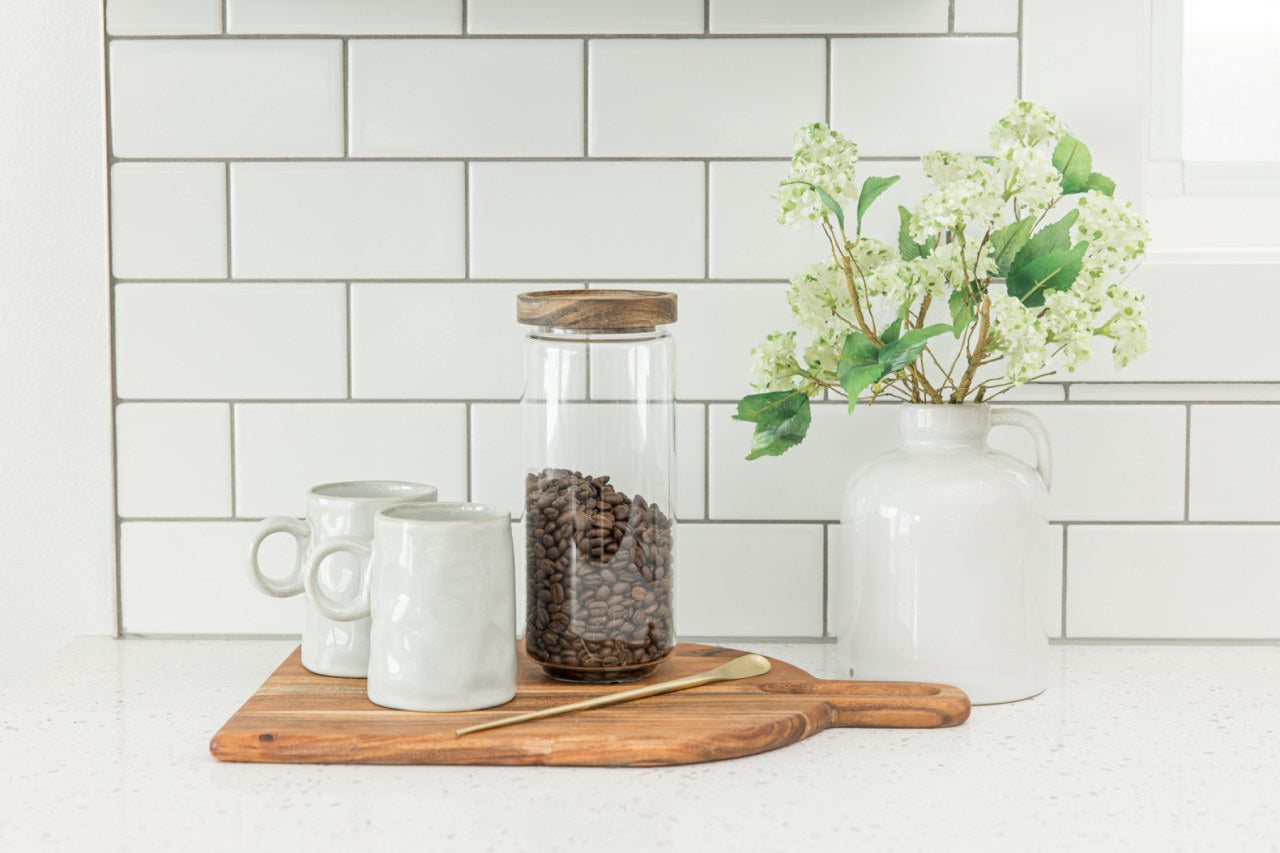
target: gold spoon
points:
(743, 667)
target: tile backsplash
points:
(321, 213)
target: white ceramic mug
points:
(333, 509)
(438, 582)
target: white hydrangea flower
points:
(824, 158)
(1127, 327)
(1028, 174)
(1017, 332)
(1027, 124)
(1068, 321)
(816, 295)
(968, 195)
(1116, 235)
(773, 363)
(822, 357)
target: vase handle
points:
(1029, 422)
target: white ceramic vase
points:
(943, 547)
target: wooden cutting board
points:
(299, 717)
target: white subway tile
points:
(1050, 581)
(441, 341)
(173, 460)
(1176, 294)
(497, 457)
(806, 482)
(1193, 582)
(1234, 466)
(1042, 391)
(185, 577)
(168, 220)
(828, 16)
(584, 220)
(163, 17)
(282, 450)
(691, 455)
(498, 466)
(469, 97)
(230, 340)
(911, 111)
(226, 98)
(344, 17)
(713, 358)
(1111, 463)
(1174, 392)
(584, 16)
(745, 239)
(986, 16)
(685, 97)
(738, 580)
(347, 220)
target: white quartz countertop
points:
(1132, 747)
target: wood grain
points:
(618, 310)
(299, 717)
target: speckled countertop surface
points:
(1133, 747)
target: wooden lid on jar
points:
(602, 310)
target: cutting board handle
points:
(884, 704)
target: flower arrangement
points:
(1017, 258)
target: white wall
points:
(57, 528)
(318, 235)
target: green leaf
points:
(1054, 271)
(907, 348)
(855, 381)
(961, 312)
(772, 407)
(1101, 183)
(827, 201)
(1073, 160)
(782, 419)
(1007, 242)
(908, 248)
(1055, 237)
(871, 190)
(858, 351)
(891, 331)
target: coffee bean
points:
(586, 559)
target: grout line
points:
(781, 159)
(468, 36)
(350, 324)
(586, 98)
(466, 220)
(1020, 38)
(718, 401)
(113, 379)
(706, 16)
(706, 221)
(466, 18)
(231, 421)
(346, 98)
(226, 191)
(1186, 475)
(224, 17)
(951, 17)
(827, 81)
(776, 522)
(1066, 528)
(706, 460)
(826, 578)
(468, 449)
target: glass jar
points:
(599, 451)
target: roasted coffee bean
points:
(587, 561)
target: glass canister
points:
(599, 451)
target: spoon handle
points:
(609, 699)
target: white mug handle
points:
(1029, 422)
(292, 584)
(340, 611)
